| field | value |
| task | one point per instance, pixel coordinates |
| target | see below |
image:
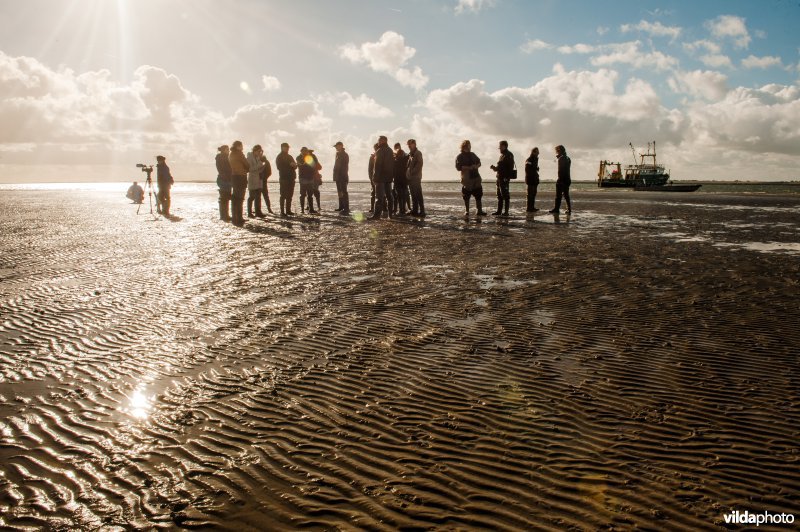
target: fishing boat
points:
(646, 174)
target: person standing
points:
(224, 185)
(317, 181)
(505, 169)
(468, 163)
(306, 170)
(414, 178)
(532, 178)
(564, 179)
(400, 194)
(256, 165)
(384, 171)
(287, 172)
(371, 175)
(341, 177)
(165, 182)
(239, 170)
(266, 172)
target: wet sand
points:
(632, 365)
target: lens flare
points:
(309, 160)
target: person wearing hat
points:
(165, 182)
(224, 176)
(341, 177)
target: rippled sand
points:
(634, 365)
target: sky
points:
(90, 88)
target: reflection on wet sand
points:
(622, 370)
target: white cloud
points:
(702, 83)
(362, 105)
(388, 55)
(473, 6)
(577, 49)
(533, 45)
(716, 60)
(629, 53)
(270, 83)
(713, 56)
(655, 29)
(767, 61)
(730, 27)
(764, 120)
(602, 30)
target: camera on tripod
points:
(148, 168)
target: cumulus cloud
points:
(706, 84)
(655, 29)
(532, 45)
(388, 55)
(766, 61)
(713, 56)
(473, 6)
(553, 106)
(577, 49)
(630, 53)
(270, 83)
(763, 120)
(730, 27)
(362, 105)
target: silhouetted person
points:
(239, 170)
(414, 178)
(317, 181)
(564, 180)
(255, 164)
(384, 172)
(266, 172)
(468, 163)
(341, 177)
(400, 193)
(224, 182)
(505, 171)
(306, 169)
(135, 193)
(371, 174)
(165, 182)
(286, 166)
(532, 178)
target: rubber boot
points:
(505, 212)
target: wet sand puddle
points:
(326, 373)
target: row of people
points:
(395, 178)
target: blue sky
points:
(90, 87)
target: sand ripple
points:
(321, 373)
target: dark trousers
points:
(265, 193)
(372, 196)
(163, 199)
(287, 193)
(254, 198)
(532, 187)
(383, 196)
(344, 197)
(562, 189)
(225, 202)
(503, 196)
(237, 199)
(402, 197)
(306, 191)
(417, 203)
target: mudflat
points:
(632, 365)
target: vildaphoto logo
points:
(764, 518)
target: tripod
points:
(148, 185)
